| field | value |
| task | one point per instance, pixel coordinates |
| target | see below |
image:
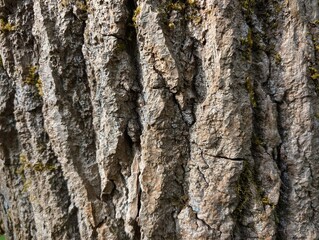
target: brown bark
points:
(159, 119)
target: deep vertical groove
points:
(133, 51)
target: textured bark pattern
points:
(159, 119)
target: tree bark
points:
(159, 119)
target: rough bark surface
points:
(159, 119)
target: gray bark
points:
(159, 119)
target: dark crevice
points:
(282, 208)
(227, 158)
(199, 88)
(136, 226)
(285, 188)
(132, 48)
(256, 14)
(270, 28)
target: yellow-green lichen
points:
(26, 185)
(171, 25)
(278, 58)
(247, 43)
(25, 164)
(249, 190)
(192, 13)
(38, 85)
(120, 46)
(196, 19)
(32, 76)
(243, 188)
(40, 167)
(137, 12)
(251, 92)
(314, 73)
(33, 79)
(65, 3)
(82, 6)
(257, 141)
(312, 69)
(249, 39)
(266, 201)
(186, 11)
(191, 2)
(178, 6)
(248, 6)
(278, 7)
(315, 76)
(6, 27)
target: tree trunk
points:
(159, 119)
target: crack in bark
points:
(133, 51)
(220, 156)
(224, 157)
(200, 219)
